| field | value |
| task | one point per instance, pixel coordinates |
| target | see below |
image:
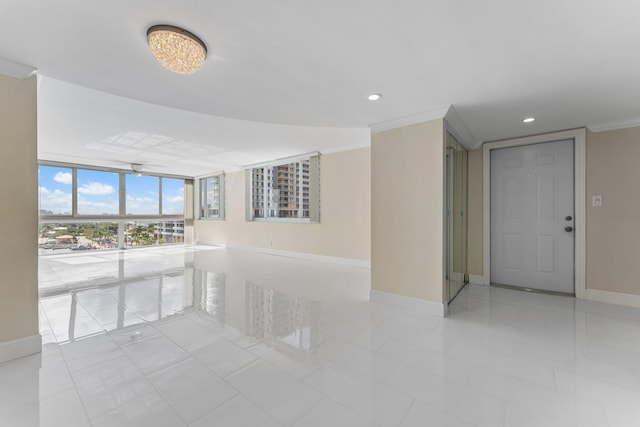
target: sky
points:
(98, 193)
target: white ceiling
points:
(569, 63)
(85, 126)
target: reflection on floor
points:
(73, 312)
(207, 336)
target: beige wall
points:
(345, 219)
(407, 166)
(18, 209)
(474, 218)
(613, 230)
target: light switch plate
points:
(596, 201)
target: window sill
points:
(284, 220)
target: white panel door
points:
(532, 239)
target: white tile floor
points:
(204, 336)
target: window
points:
(55, 189)
(147, 233)
(125, 210)
(55, 238)
(169, 232)
(98, 192)
(172, 196)
(70, 191)
(286, 190)
(212, 197)
(143, 195)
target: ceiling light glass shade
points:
(176, 49)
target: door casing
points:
(579, 138)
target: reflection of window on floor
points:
(130, 301)
(272, 314)
(209, 293)
(129, 298)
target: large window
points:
(86, 209)
(285, 190)
(212, 197)
(83, 192)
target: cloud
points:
(173, 205)
(174, 199)
(63, 178)
(55, 201)
(142, 205)
(96, 189)
(86, 207)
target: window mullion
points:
(74, 192)
(266, 200)
(300, 185)
(160, 196)
(122, 196)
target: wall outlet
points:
(596, 201)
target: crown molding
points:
(15, 70)
(614, 124)
(409, 120)
(459, 129)
(347, 148)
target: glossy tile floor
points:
(204, 336)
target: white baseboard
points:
(612, 297)
(476, 279)
(19, 348)
(302, 255)
(424, 306)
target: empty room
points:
(295, 214)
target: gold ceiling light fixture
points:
(177, 49)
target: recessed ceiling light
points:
(529, 120)
(176, 49)
(374, 97)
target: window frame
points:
(74, 199)
(198, 197)
(122, 194)
(313, 188)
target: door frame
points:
(449, 211)
(579, 141)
